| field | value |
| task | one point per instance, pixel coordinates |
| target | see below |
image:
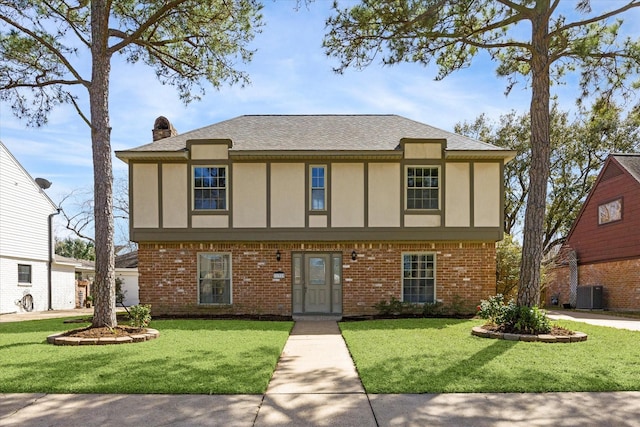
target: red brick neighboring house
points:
(313, 214)
(605, 239)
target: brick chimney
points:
(162, 128)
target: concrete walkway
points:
(316, 384)
(596, 319)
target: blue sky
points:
(290, 74)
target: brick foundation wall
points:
(621, 281)
(168, 275)
(557, 283)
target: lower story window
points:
(24, 273)
(418, 278)
(214, 278)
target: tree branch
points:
(143, 27)
(67, 19)
(79, 111)
(44, 84)
(571, 25)
(49, 46)
(515, 6)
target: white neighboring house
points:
(127, 271)
(26, 252)
(71, 278)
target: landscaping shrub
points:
(512, 318)
(140, 316)
(396, 308)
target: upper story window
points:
(422, 187)
(210, 187)
(318, 188)
(24, 273)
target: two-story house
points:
(602, 249)
(313, 214)
(30, 277)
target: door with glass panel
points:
(317, 283)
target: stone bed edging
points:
(61, 339)
(479, 331)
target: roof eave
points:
(316, 154)
(506, 155)
(125, 156)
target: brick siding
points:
(168, 275)
(620, 281)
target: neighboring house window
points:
(318, 188)
(422, 187)
(210, 187)
(24, 273)
(214, 278)
(610, 211)
(418, 278)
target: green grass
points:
(441, 355)
(190, 356)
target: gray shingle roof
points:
(317, 132)
(631, 162)
(128, 260)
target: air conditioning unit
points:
(590, 297)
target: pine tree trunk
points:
(105, 300)
(529, 285)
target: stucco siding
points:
(210, 221)
(249, 195)
(317, 221)
(422, 220)
(347, 195)
(423, 151)
(145, 195)
(457, 195)
(174, 195)
(486, 195)
(384, 195)
(209, 151)
(287, 195)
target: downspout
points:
(49, 284)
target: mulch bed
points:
(104, 332)
(555, 330)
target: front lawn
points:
(190, 356)
(441, 356)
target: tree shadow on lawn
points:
(112, 369)
(431, 379)
(472, 374)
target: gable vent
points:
(611, 172)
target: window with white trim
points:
(214, 278)
(418, 277)
(24, 273)
(318, 188)
(422, 187)
(210, 187)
